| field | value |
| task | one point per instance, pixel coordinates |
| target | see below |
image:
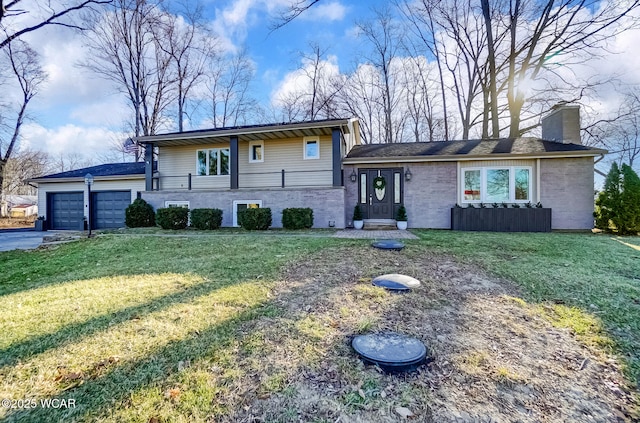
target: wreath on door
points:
(379, 182)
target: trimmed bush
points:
(172, 217)
(618, 205)
(401, 215)
(297, 218)
(139, 214)
(357, 212)
(206, 218)
(255, 219)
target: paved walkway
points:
(366, 234)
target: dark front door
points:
(379, 195)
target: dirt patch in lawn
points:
(495, 357)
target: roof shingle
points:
(514, 146)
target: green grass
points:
(130, 326)
(140, 327)
(585, 282)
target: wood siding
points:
(175, 163)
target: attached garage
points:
(66, 210)
(108, 208)
(63, 198)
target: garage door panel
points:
(67, 210)
(109, 208)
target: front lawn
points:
(148, 328)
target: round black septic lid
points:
(388, 244)
(396, 282)
(390, 285)
(391, 351)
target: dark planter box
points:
(40, 225)
(501, 219)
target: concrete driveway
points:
(20, 239)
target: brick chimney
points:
(562, 124)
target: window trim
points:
(234, 209)
(304, 148)
(207, 155)
(251, 145)
(483, 183)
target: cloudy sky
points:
(81, 113)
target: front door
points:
(380, 192)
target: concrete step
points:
(380, 225)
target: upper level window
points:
(496, 185)
(256, 152)
(311, 148)
(212, 162)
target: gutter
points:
(150, 139)
(459, 158)
(81, 179)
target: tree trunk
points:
(493, 92)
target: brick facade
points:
(328, 204)
(566, 186)
(428, 196)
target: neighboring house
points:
(63, 197)
(322, 165)
(19, 206)
(23, 210)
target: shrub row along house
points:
(322, 165)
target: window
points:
(256, 152)
(212, 162)
(184, 204)
(471, 185)
(522, 184)
(311, 148)
(363, 188)
(240, 205)
(496, 185)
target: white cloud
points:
(334, 11)
(298, 81)
(90, 142)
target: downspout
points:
(538, 188)
(596, 170)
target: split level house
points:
(324, 166)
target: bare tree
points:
(23, 165)
(69, 160)
(228, 81)
(126, 51)
(619, 132)
(24, 64)
(185, 40)
(541, 33)
(317, 86)
(40, 14)
(295, 9)
(385, 38)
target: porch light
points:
(407, 175)
(88, 180)
(353, 176)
